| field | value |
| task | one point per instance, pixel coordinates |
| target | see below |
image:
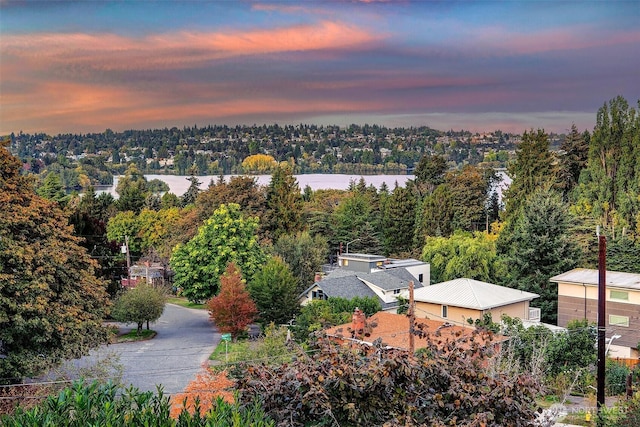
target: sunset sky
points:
(85, 66)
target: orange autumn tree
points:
(232, 309)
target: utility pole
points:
(125, 250)
(412, 320)
(602, 303)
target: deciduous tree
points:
(144, 303)
(228, 236)
(51, 303)
(232, 309)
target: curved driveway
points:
(186, 337)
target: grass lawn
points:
(236, 350)
(183, 302)
(146, 334)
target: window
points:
(445, 311)
(621, 295)
(420, 277)
(396, 291)
(616, 320)
(318, 294)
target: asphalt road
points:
(184, 342)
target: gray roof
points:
(616, 279)
(403, 274)
(469, 293)
(349, 284)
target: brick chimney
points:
(358, 323)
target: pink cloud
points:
(498, 40)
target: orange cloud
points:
(181, 49)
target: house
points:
(391, 331)
(153, 273)
(461, 299)
(364, 275)
(578, 299)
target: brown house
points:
(578, 299)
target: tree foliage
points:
(537, 247)
(462, 255)
(398, 221)
(228, 236)
(132, 189)
(274, 290)
(259, 163)
(144, 303)
(232, 309)
(611, 184)
(304, 254)
(284, 204)
(51, 303)
(532, 170)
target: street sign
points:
(226, 337)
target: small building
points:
(461, 299)
(578, 299)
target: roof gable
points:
(473, 294)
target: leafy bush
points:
(373, 386)
(615, 378)
(99, 404)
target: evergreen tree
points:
(399, 221)
(430, 173)
(132, 190)
(533, 169)
(539, 247)
(572, 160)
(52, 188)
(303, 254)
(284, 204)
(192, 192)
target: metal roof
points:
(587, 276)
(469, 293)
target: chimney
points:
(317, 278)
(358, 322)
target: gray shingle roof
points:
(349, 284)
(469, 293)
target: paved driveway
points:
(184, 342)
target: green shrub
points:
(100, 404)
(615, 378)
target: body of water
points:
(178, 184)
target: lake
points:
(178, 184)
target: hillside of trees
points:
(83, 159)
